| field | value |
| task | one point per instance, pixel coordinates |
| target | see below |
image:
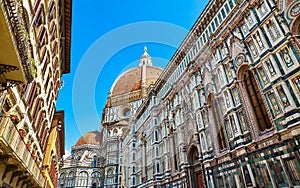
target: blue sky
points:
(108, 38)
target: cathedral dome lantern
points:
(145, 58)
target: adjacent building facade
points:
(35, 52)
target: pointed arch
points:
(193, 154)
(254, 98)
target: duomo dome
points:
(132, 85)
(92, 138)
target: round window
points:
(126, 112)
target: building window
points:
(94, 163)
(157, 167)
(256, 101)
(219, 127)
(204, 117)
(229, 68)
(227, 8)
(231, 4)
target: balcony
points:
(16, 60)
(12, 145)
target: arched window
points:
(94, 163)
(83, 179)
(70, 179)
(256, 102)
(62, 179)
(219, 126)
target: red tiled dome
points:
(89, 138)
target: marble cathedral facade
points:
(223, 113)
(225, 110)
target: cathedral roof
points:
(134, 79)
(131, 80)
(93, 137)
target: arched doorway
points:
(196, 178)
